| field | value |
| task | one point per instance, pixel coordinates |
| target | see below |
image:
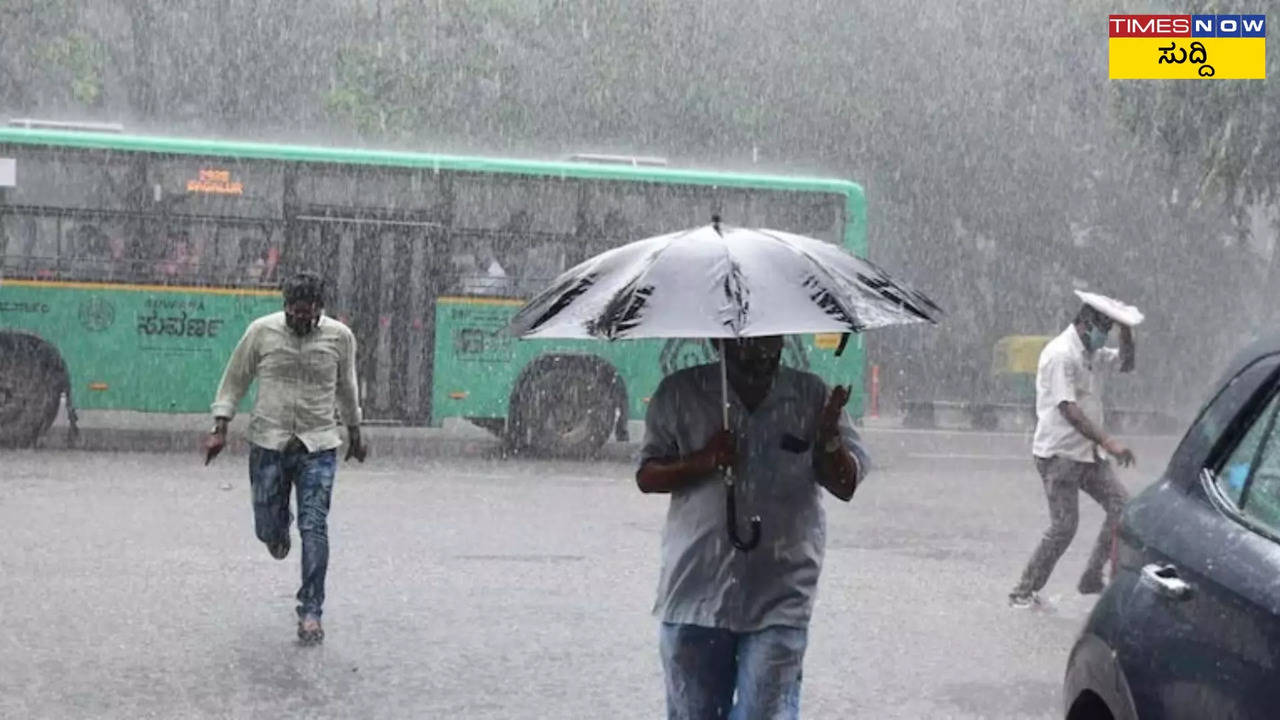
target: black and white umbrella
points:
(719, 281)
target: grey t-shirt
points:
(705, 580)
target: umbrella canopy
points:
(720, 282)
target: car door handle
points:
(1165, 581)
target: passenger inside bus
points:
(481, 273)
(94, 254)
(182, 259)
(261, 270)
(32, 247)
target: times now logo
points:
(1187, 25)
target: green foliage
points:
(374, 94)
(81, 58)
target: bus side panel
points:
(477, 364)
(143, 349)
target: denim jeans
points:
(705, 666)
(272, 473)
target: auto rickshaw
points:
(1014, 362)
(1013, 369)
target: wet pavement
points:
(133, 587)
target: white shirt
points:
(704, 580)
(1068, 373)
(302, 381)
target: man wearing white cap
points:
(1069, 435)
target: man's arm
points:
(1080, 422)
(1128, 353)
(838, 471)
(839, 467)
(348, 393)
(668, 474)
(236, 378)
(663, 469)
(348, 384)
(238, 375)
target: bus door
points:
(382, 284)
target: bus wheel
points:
(564, 407)
(31, 381)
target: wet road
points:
(131, 586)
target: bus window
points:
(398, 190)
(32, 247)
(480, 272)
(258, 259)
(539, 205)
(510, 235)
(210, 252)
(734, 207)
(542, 263)
(93, 249)
(71, 179)
(619, 213)
(682, 207)
(817, 216)
(180, 260)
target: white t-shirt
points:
(1067, 373)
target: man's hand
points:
(1123, 455)
(1079, 421)
(829, 420)
(838, 467)
(664, 475)
(355, 445)
(215, 441)
(720, 452)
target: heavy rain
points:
(336, 292)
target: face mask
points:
(1097, 337)
(298, 326)
(301, 327)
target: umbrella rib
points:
(625, 297)
(896, 295)
(735, 296)
(850, 314)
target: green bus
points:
(130, 265)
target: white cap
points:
(1112, 308)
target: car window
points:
(1221, 410)
(1250, 475)
(1225, 405)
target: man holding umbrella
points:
(1069, 437)
(745, 430)
(735, 620)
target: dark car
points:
(1189, 626)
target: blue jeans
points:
(271, 474)
(704, 666)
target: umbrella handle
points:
(731, 504)
(731, 509)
